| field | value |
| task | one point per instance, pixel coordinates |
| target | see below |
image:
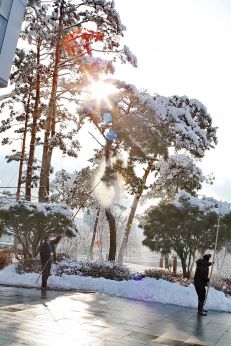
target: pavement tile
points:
(141, 336)
(192, 341)
(80, 319)
(171, 342)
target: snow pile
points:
(147, 289)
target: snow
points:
(130, 56)
(204, 203)
(45, 208)
(147, 289)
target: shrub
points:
(6, 257)
(223, 284)
(29, 265)
(61, 256)
(165, 274)
(107, 270)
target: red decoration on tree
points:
(79, 41)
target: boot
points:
(202, 313)
(200, 305)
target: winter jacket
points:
(202, 272)
(47, 249)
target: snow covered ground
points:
(147, 289)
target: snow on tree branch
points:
(204, 203)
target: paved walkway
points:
(77, 319)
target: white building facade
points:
(11, 16)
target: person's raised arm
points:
(56, 240)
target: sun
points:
(101, 90)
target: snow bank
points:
(147, 289)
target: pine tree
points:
(30, 222)
(78, 45)
(185, 225)
(146, 128)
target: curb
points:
(50, 289)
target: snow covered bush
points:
(165, 274)
(107, 270)
(222, 284)
(28, 265)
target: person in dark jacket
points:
(47, 255)
(201, 279)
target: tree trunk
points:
(161, 261)
(174, 265)
(22, 158)
(192, 265)
(184, 267)
(50, 121)
(166, 261)
(128, 230)
(112, 229)
(190, 259)
(94, 235)
(30, 164)
(132, 215)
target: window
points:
(3, 24)
(5, 7)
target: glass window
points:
(3, 24)
(5, 7)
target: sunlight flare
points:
(100, 90)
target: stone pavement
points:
(73, 318)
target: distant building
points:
(11, 16)
(6, 240)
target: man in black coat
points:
(201, 279)
(47, 255)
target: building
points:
(11, 16)
(6, 240)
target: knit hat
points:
(206, 257)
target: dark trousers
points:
(201, 293)
(46, 272)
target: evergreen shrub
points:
(164, 274)
(29, 265)
(222, 284)
(107, 270)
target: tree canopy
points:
(186, 225)
(30, 222)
